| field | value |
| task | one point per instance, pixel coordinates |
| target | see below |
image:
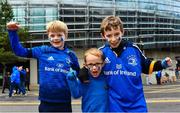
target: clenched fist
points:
(167, 62)
(13, 26)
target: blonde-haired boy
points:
(94, 92)
(55, 62)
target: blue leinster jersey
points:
(94, 93)
(124, 79)
(54, 65)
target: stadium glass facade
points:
(151, 23)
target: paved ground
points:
(31, 98)
(163, 98)
(160, 98)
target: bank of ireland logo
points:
(132, 60)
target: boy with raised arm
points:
(55, 62)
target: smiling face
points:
(114, 37)
(94, 64)
(112, 30)
(57, 33)
(57, 39)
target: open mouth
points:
(95, 73)
(56, 43)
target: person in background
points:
(55, 62)
(15, 80)
(6, 82)
(94, 92)
(27, 79)
(22, 80)
(158, 77)
(148, 79)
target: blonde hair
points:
(111, 22)
(57, 26)
(95, 52)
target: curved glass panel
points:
(149, 21)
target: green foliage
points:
(8, 57)
(4, 42)
(23, 34)
(6, 14)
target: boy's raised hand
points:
(167, 62)
(13, 26)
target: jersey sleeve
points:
(149, 65)
(145, 63)
(75, 87)
(37, 51)
(17, 48)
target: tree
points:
(6, 55)
(6, 14)
(4, 40)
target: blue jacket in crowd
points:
(54, 65)
(15, 76)
(159, 74)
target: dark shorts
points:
(55, 107)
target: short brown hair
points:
(95, 52)
(57, 26)
(111, 22)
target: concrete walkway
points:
(31, 98)
(153, 93)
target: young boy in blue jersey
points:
(94, 92)
(124, 63)
(55, 62)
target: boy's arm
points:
(74, 84)
(149, 66)
(161, 64)
(17, 48)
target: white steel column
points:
(33, 72)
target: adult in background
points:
(22, 80)
(6, 78)
(27, 80)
